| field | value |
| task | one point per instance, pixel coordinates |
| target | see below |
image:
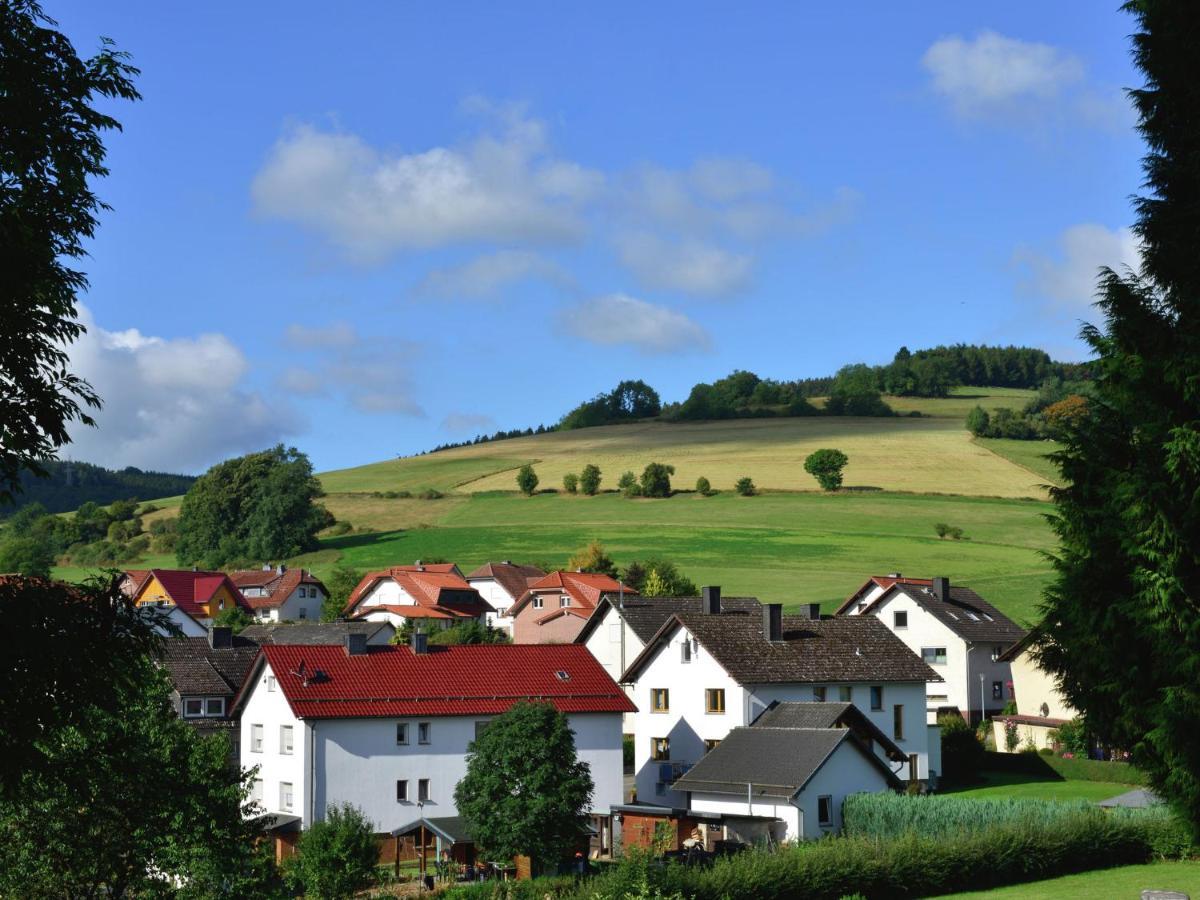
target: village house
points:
(954, 630)
(376, 633)
(556, 607)
(502, 584)
(705, 673)
(387, 728)
(199, 595)
(280, 594)
(1041, 707)
(206, 673)
(619, 629)
(433, 595)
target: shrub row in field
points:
(1057, 767)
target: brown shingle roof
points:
(646, 615)
(513, 578)
(196, 668)
(966, 614)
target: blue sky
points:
(369, 229)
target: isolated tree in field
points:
(628, 485)
(703, 488)
(1121, 620)
(335, 857)
(527, 480)
(525, 791)
(978, 421)
(592, 558)
(745, 487)
(340, 583)
(571, 483)
(656, 480)
(589, 480)
(826, 466)
(50, 149)
(258, 506)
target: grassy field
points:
(1030, 454)
(1121, 883)
(1004, 785)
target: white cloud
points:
(503, 187)
(690, 266)
(468, 423)
(486, 275)
(993, 73)
(617, 319)
(170, 404)
(371, 373)
(1068, 276)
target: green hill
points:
(71, 484)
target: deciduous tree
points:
(335, 857)
(589, 479)
(527, 480)
(593, 558)
(826, 466)
(656, 480)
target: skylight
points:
(562, 676)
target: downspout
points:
(967, 682)
(312, 764)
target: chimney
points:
(356, 644)
(280, 569)
(941, 588)
(814, 611)
(267, 567)
(895, 575)
(420, 642)
(506, 562)
(220, 637)
(710, 599)
(772, 614)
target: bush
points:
(703, 488)
(571, 483)
(961, 751)
(335, 857)
(589, 480)
(656, 480)
(1055, 767)
(1071, 736)
(435, 494)
(745, 487)
(627, 750)
(527, 480)
(826, 466)
(339, 528)
(629, 486)
(978, 421)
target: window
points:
(481, 727)
(900, 619)
(819, 693)
(660, 788)
(285, 739)
(285, 795)
(402, 791)
(996, 651)
(972, 616)
(660, 749)
(537, 602)
(193, 706)
(997, 690)
(898, 721)
(256, 791)
(714, 700)
(935, 656)
(423, 790)
(423, 731)
(846, 693)
(401, 734)
(271, 683)
(256, 738)
(614, 632)
(660, 700)
(214, 706)
(564, 601)
(304, 612)
(877, 696)
(825, 811)
(685, 651)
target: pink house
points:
(556, 607)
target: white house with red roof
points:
(502, 584)
(557, 606)
(387, 728)
(281, 594)
(434, 594)
(199, 595)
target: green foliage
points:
(826, 466)
(592, 558)
(340, 583)
(1072, 737)
(629, 486)
(527, 480)
(948, 531)
(68, 485)
(961, 750)
(571, 483)
(589, 480)
(627, 751)
(430, 493)
(1124, 596)
(1078, 768)
(525, 792)
(258, 506)
(628, 401)
(656, 480)
(233, 617)
(470, 632)
(703, 488)
(26, 555)
(745, 487)
(978, 421)
(855, 393)
(50, 151)
(669, 580)
(336, 856)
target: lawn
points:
(1006, 785)
(1121, 882)
(1030, 454)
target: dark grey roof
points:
(196, 668)
(309, 633)
(772, 762)
(842, 649)
(646, 615)
(450, 828)
(809, 714)
(966, 614)
(1135, 799)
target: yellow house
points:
(202, 595)
(1041, 707)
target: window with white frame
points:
(825, 811)
(935, 656)
(256, 791)
(271, 683)
(424, 730)
(285, 739)
(401, 734)
(423, 790)
(197, 707)
(685, 651)
(846, 693)
(900, 619)
(214, 706)
(193, 707)
(564, 601)
(402, 791)
(285, 795)
(537, 602)
(256, 739)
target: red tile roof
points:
(479, 679)
(409, 610)
(279, 585)
(584, 588)
(189, 590)
(438, 585)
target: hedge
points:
(1055, 767)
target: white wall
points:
(759, 807)
(494, 593)
(270, 709)
(846, 772)
(1034, 686)
(924, 630)
(187, 625)
(386, 591)
(604, 643)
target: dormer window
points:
(564, 601)
(537, 602)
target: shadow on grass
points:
(369, 539)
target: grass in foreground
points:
(1121, 882)
(1008, 785)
